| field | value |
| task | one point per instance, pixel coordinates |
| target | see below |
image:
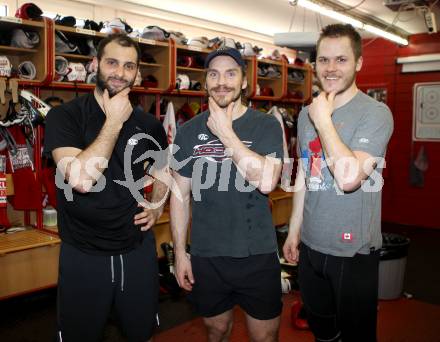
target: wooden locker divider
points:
(195, 73)
(251, 67)
(161, 70)
(297, 87)
(277, 84)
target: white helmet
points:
(114, 26)
(26, 70)
(199, 41)
(182, 82)
(78, 72)
(248, 50)
(61, 68)
(228, 42)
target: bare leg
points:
(263, 330)
(219, 327)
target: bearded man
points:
(108, 253)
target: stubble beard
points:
(102, 84)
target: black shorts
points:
(254, 283)
(89, 286)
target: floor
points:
(31, 318)
(403, 320)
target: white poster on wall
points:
(426, 112)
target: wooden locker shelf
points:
(295, 82)
(73, 56)
(304, 86)
(195, 93)
(194, 73)
(194, 49)
(38, 55)
(79, 31)
(160, 51)
(163, 54)
(269, 78)
(12, 22)
(72, 85)
(291, 100)
(152, 65)
(190, 69)
(152, 42)
(277, 84)
(11, 50)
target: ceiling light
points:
(313, 6)
(385, 34)
(330, 13)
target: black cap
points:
(225, 51)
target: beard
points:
(102, 83)
(222, 101)
(345, 86)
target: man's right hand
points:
(118, 108)
(290, 248)
(183, 270)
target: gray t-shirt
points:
(334, 222)
(230, 217)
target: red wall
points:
(403, 203)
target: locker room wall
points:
(403, 203)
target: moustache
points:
(118, 79)
(219, 88)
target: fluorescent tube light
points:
(385, 34)
(313, 6)
(330, 13)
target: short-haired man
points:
(108, 253)
(229, 158)
(342, 139)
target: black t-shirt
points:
(230, 217)
(102, 222)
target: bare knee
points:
(218, 331)
(263, 330)
(264, 336)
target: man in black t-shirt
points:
(229, 158)
(108, 253)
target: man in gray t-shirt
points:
(342, 139)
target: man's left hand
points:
(219, 121)
(147, 218)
